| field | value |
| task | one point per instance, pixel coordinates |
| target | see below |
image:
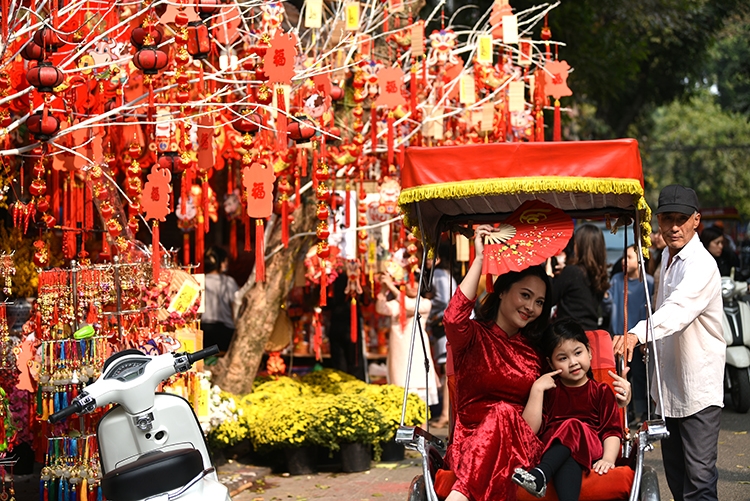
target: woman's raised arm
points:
(471, 281)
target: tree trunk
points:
(262, 302)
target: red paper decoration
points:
(279, 59)
(556, 79)
(390, 80)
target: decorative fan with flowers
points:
(534, 232)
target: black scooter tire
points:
(740, 391)
(649, 485)
(417, 489)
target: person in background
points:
(346, 356)
(653, 265)
(713, 239)
(217, 321)
(687, 332)
(637, 311)
(579, 288)
(422, 381)
(576, 417)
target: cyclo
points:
(452, 188)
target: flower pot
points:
(355, 457)
(392, 451)
(300, 460)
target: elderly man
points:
(687, 331)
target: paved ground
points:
(390, 481)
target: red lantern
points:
(207, 8)
(150, 60)
(248, 123)
(45, 77)
(181, 19)
(38, 187)
(138, 36)
(322, 212)
(42, 205)
(199, 46)
(49, 39)
(32, 52)
(170, 161)
(301, 130)
(43, 126)
(336, 92)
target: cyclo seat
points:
(615, 485)
(152, 473)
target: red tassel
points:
(281, 129)
(204, 197)
(317, 337)
(402, 308)
(323, 283)
(184, 193)
(199, 249)
(155, 258)
(260, 258)
(353, 320)
(373, 129)
(233, 239)
(186, 248)
(413, 90)
(296, 192)
(303, 162)
(489, 283)
(285, 222)
(246, 220)
(539, 126)
(391, 134)
(91, 316)
(557, 127)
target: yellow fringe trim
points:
(531, 184)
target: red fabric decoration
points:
(557, 126)
(534, 232)
(282, 136)
(390, 138)
(155, 259)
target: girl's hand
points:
(623, 391)
(546, 381)
(602, 466)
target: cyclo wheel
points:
(417, 489)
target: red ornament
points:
(42, 205)
(207, 8)
(248, 123)
(138, 36)
(44, 76)
(181, 19)
(322, 212)
(32, 52)
(322, 231)
(43, 125)
(38, 187)
(336, 92)
(170, 161)
(199, 45)
(150, 60)
(49, 39)
(301, 130)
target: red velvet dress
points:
(581, 418)
(494, 374)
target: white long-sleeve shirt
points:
(688, 333)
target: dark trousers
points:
(690, 453)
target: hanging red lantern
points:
(336, 92)
(248, 123)
(170, 161)
(139, 34)
(207, 8)
(49, 39)
(301, 130)
(43, 125)
(44, 76)
(150, 60)
(32, 52)
(199, 45)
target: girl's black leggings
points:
(559, 466)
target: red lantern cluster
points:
(49, 39)
(38, 190)
(44, 76)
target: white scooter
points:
(736, 325)
(151, 445)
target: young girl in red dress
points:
(577, 418)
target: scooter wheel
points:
(740, 390)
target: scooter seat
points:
(153, 473)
